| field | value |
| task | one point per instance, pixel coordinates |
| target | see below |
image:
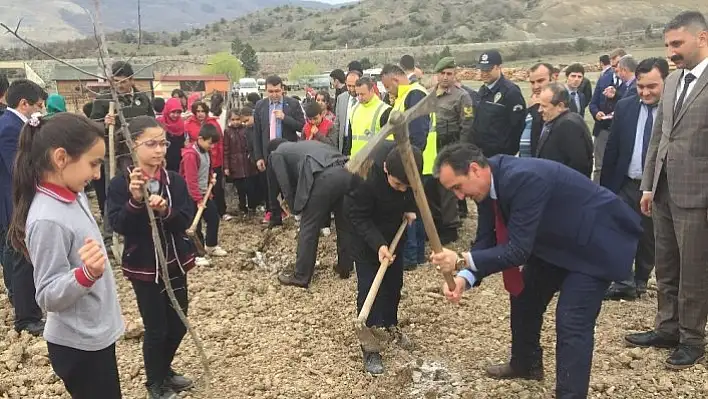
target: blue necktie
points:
(648, 125)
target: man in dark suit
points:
(574, 75)
(586, 90)
(570, 234)
(4, 85)
(601, 107)
(276, 116)
(540, 76)
(626, 68)
(565, 137)
(623, 165)
(24, 98)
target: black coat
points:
(375, 208)
(568, 142)
(293, 122)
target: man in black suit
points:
(565, 137)
(540, 76)
(276, 116)
(623, 165)
(574, 75)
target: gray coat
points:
(294, 167)
(340, 120)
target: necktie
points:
(687, 82)
(513, 279)
(648, 125)
(273, 127)
(574, 98)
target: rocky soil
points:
(268, 341)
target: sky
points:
(336, 1)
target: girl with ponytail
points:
(53, 226)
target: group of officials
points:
(543, 223)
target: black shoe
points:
(685, 356)
(373, 363)
(504, 371)
(158, 391)
(35, 328)
(274, 222)
(624, 293)
(448, 235)
(650, 339)
(641, 288)
(289, 279)
(343, 273)
(177, 382)
(410, 266)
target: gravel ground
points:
(268, 341)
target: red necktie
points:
(513, 279)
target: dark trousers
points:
(246, 188)
(99, 186)
(326, 195)
(211, 218)
(644, 258)
(347, 145)
(86, 375)
(578, 306)
(218, 191)
(414, 245)
(174, 152)
(443, 207)
(163, 328)
(19, 281)
(384, 312)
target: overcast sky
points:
(336, 1)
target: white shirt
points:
(697, 71)
(19, 115)
(635, 164)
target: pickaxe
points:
(398, 126)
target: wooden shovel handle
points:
(366, 308)
(200, 210)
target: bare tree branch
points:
(140, 28)
(103, 48)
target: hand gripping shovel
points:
(192, 230)
(366, 336)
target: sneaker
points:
(266, 218)
(200, 261)
(216, 251)
(325, 232)
(226, 217)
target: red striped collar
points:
(57, 192)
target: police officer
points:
(454, 116)
(501, 111)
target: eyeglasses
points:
(152, 144)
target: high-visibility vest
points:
(365, 121)
(431, 142)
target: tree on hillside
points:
(236, 46)
(224, 64)
(302, 68)
(250, 60)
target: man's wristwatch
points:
(460, 263)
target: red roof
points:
(181, 78)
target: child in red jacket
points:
(317, 127)
(197, 172)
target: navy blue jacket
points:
(620, 145)
(418, 128)
(601, 103)
(10, 128)
(555, 214)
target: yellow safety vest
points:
(431, 143)
(365, 121)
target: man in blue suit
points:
(4, 85)
(570, 235)
(623, 166)
(574, 75)
(601, 107)
(24, 98)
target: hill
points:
(61, 20)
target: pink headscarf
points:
(174, 127)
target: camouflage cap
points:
(444, 63)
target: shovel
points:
(192, 230)
(366, 336)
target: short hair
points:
(24, 89)
(312, 109)
(459, 156)
(246, 111)
(618, 52)
(605, 59)
(356, 73)
(407, 62)
(390, 69)
(253, 98)
(197, 105)
(179, 93)
(274, 144)
(560, 94)
(337, 75)
(158, 103)
(548, 66)
(645, 66)
(209, 132)
(627, 62)
(122, 69)
(556, 70)
(217, 103)
(365, 81)
(687, 19)
(355, 66)
(575, 68)
(394, 163)
(274, 80)
(4, 84)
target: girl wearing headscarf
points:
(172, 122)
